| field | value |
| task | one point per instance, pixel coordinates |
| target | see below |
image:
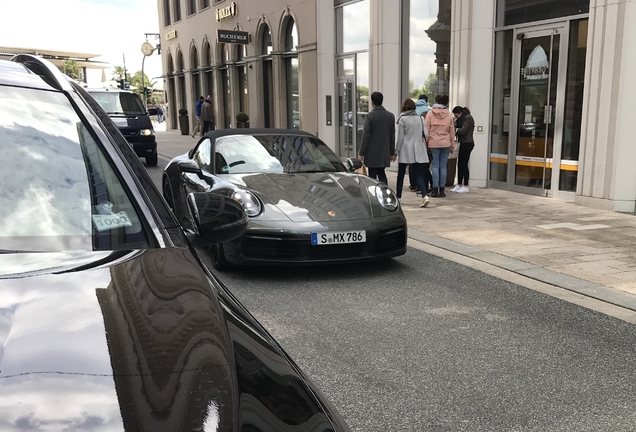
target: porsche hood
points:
(320, 197)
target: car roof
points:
(215, 134)
(107, 90)
(17, 74)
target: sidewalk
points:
(589, 251)
(586, 250)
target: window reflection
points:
(352, 27)
(58, 190)
(510, 12)
(429, 48)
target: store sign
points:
(226, 12)
(537, 66)
(232, 36)
(171, 35)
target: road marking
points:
(609, 309)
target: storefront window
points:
(511, 12)
(429, 48)
(352, 27)
(291, 70)
(573, 106)
(225, 88)
(501, 107)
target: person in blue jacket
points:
(198, 126)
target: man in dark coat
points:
(378, 141)
(207, 116)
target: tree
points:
(136, 82)
(72, 69)
(120, 73)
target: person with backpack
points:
(441, 141)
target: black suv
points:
(130, 116)
(110, 320)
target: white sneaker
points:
(456, 188)
(463, 189)
(425, 201)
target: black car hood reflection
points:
(140, 344)
(308, 197)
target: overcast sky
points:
(111, 28)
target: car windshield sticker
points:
(111, 221)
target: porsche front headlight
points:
(250, 203)
(386, 197)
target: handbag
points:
(363, 170)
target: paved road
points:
(422, 344)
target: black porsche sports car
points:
(304, 206)
(109, 319)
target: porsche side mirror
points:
(189, 166)
(215, 218)
(353, 164)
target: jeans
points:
(440, 160)
(400, 178)
(463, 174)
(378, 174)
(421, 175)
(412, 176)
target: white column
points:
(385, 52)
(326, 69)
(607, 178)
(471, 81)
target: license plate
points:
(344, 237)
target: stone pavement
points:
(586, 250)
(578, 248)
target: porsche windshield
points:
(242, 154)
(59, 191)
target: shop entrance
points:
(540, 91)
(533, 113)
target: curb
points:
(551, 277)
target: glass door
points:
(539, 92)
(347, 118)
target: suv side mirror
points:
(215, 218)
(353, 164)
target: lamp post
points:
(147, 50)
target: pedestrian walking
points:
(441, 142)
(410, 149)
(421, 108)
(465, 127)
(160, 113)
(197, 111)
(378, 139)
(207, 115)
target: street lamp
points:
(147, 50)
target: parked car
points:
(304, 205)
(109, 320)
(128, 113)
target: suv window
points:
(119, 102)
(59, 191)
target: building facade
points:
(547, 81)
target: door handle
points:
(547, 114)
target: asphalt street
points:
(419, 343)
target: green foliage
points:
(136, 82)
(242, 117)
(72, 69)
(119, 73)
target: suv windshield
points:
(119, 102)
(59, 191)
(240, 154)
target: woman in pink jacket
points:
(441, 142)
